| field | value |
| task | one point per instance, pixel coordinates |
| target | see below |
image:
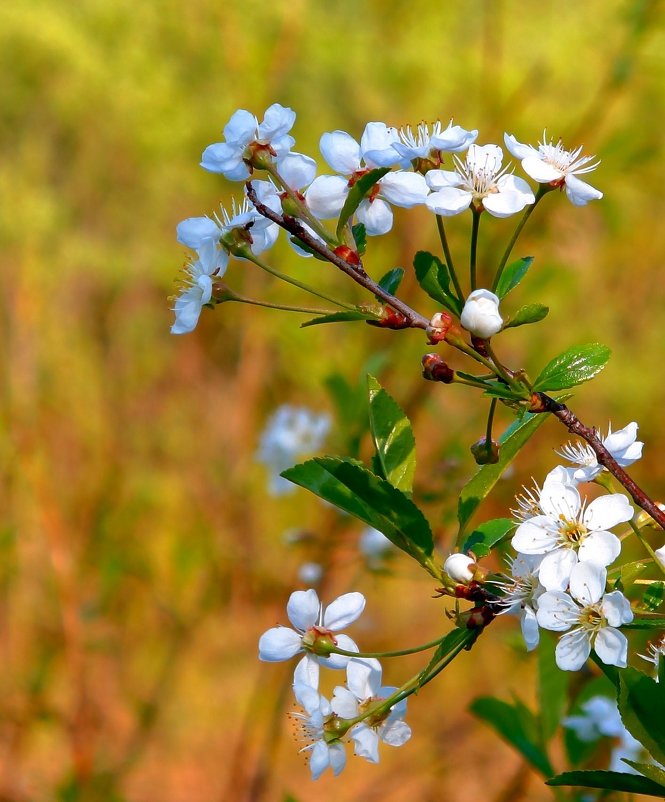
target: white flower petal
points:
(619, 441)
(449, 201)
(587, 582)
(364, 677)
(187, 310)
(484, 157)
(404, 189)
(481, 315)
(559, 499)
(556, 567)
(307, 672)
(453, 139)
(337, 757)
(277, 121)
(376, 145)
(341, 151)
(395, 733)
(366, 742)
(225, 159)
(319, 759)
(612, 647)
(241, 128)
(529, 626)
(601, 547)
(326, 195)
(517, 149)
(344, 703)
(438, 179)
(572, 651)
(616, 609)
(297, 170)
(344, 610)
(608, 511)
(531, 537)
(506, 202)
(579, 192)
(303, 609)
(194, 231)
(376, 216)
(279, 643)
(556, 611)
(540, 171)
(338, 661)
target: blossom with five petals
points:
(480, 181)
(230, 157)
(622, 445)
(327, 193)
(312, 624)
(593, 615)
(424, 144)
(326, 750)
(552, 164)
(567, 532)
(364, 689)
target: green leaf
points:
(552, 687)
(574, 366)
(342, 317)
(653, 596)
(480, 484)
(433, 277)
(391, 281)
(512, 275)
(351, 487)
(610, 781)
(642, 708)
(516, 725)
(484, 537)
(356, 195)
(649, 770)
(657, 622)
(393, 437)
(531, 313)
(629, 573)
(360, 238)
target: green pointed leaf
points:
(642, 708)
(515, 724)
(649, 770)
(356, 195)
(351, 487)
(343, 317)
(610, 781)
(552, 687)
(653, 596)
(531, 313)
(391, 281)
(629, 573)
(360, 238)
(574, 366)
(434, 278)
(393, 437)
(484, 537)
(657, 622)
(480, 484)
(512, 275)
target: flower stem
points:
(448, 256)
(400, 653)
(284, 307)
(543, 189)
(490, 420)
(474, 247)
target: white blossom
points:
(327, 193)
(479, 180)
(325, 750)
(197, 286)
(567, 531)
(363, 678)
(481, 315)
(528, 502)
(312, 622)
(228, 157)
(591, 615)
(290, 434)
(425, 143)
(623, 445)
(552, 164)
(520, 595)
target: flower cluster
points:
(564, 547)
(363, 710)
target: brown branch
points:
(575, 426)
(356, 272)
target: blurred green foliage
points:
(139, 555)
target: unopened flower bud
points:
(391, 319)
(485, 452)
(481, 315)
(461, 568)
(478, 618)
(438, 327)
(348, 254)
(436, 370)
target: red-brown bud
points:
(391, 319)
(436, 370)
(438, 328)
(479, 346)
(485, 452)
(479, 617)
(348, 254)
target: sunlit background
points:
(140, 554)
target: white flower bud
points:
(481, 315)
(460, 568)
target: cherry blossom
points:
(424, 144)
(481, 315)
(325, 750)
(520, 595)
(623, 445)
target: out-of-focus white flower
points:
(327, 193)
(567, 531)
(229, 157)
(552, 164)
(312, 623)
(424, 144)
(520, 596)
(623, 445)
(481, 315)
(600, 716)
(290, 434)
(310, 573)
(363, 678)
(460, 568)
(593, 615)
(324, 751)
(480, 181)
(374, 546)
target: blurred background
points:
(140, 554)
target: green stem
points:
(647, 546)
(250, 256)
(474, 246)
(543, 189)
(500, 370)
(400, 653)
(448, 256)
(490, 420)
(283, 307)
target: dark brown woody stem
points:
(543, 403)
(356, 272)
